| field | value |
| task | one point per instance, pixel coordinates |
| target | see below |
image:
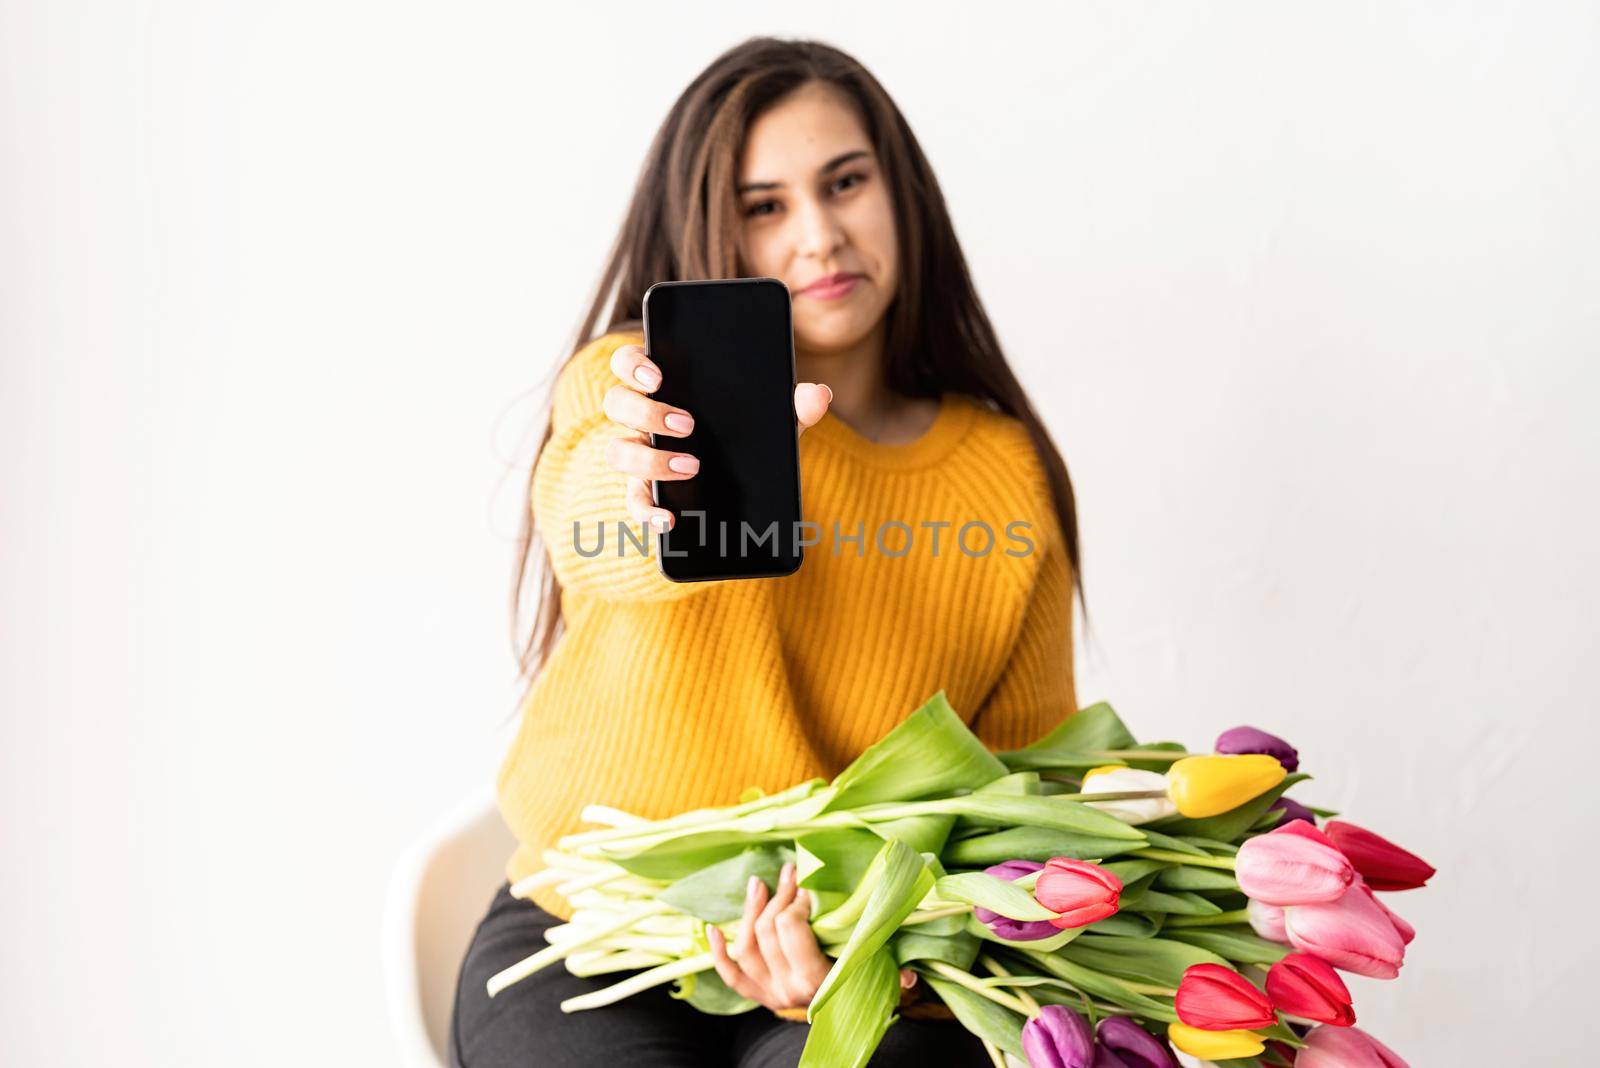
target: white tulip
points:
(1118, 780)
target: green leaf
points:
(1095, 727)
(1032, 843)
(1157, 960)
(1189, 877)
(1177, 903)
(1055, 813)
(996, 895)
(716, 893)
(898, 879)
(1238, 944)
(912, 943)
(1130, 871)
(707, 992)
(845, 1031)
(930, 753)
(686, 854)
(1100, 985)
(924, 834)
(990, 1021)
(1129, 924)
(835, 858)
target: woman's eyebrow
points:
(837, 161)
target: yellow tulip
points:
(1204, 786)
(1102, 769)
(1214, 1045)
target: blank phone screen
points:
(726, 353)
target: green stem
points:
(966, 979)
(1141, 754)
(1221, 919)
(1225, 863)
(1022, 992)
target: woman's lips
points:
(842, 286)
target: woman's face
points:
(814, 204)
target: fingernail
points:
(830, 391)
(679, 422)
(660, 521)
(647, 377)
(684, 465)
(750, 887)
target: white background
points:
(1307, 293)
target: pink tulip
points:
(1353, 933)
(1295, 864)
(1406, 931)
(1081, 892)
(1346, 1047)
(1267, 921)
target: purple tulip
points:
(1133, 1045)
(1251, 740)
(1058, 1038)
(1104, 1058)
(1004, 926)
(1292, 810)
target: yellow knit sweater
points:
(663, 696)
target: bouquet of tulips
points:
(1084, 902)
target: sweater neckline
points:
(955, 417)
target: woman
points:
(947, 557)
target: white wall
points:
(1308, 293)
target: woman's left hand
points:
(776, 959)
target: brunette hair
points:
(684, 223)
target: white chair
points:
(439, 892)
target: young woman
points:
(947, 553)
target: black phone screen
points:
(726, 353)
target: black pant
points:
(523, 1025)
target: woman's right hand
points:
(628, 405)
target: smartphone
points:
(726, 352)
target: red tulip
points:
(1384, 865)
(1215, 998)
(1346, 1047)
(1294, 864)
(1353, 933)
(1308, 987)
(1081, 892)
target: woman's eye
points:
(859, 178)
(755, 209)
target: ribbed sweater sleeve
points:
(578, 499)
(1036, 688)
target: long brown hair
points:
(684, 223)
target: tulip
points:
(1404, 929)
(1267, 921)
(1004, 926)
(1105, 1058)
(1293, 865)
(1292, 810)
(1133, 1046)
(1384, 865)
(1308, 987)
(1353, 933)
(1081, 892)
(1214, 1045)
(1204, 786)
(1251, 740)
(1215, 998)
(1116, 779)
(1346, 1047)
(1058, 1038)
